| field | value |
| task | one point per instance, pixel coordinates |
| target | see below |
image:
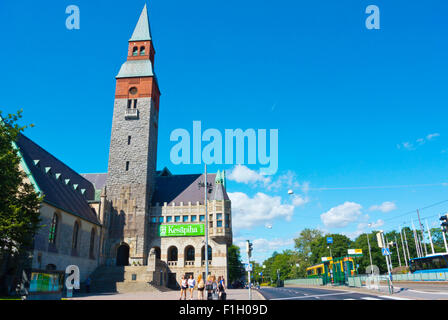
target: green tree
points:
(303, 245)
(320, 248)
(236, 268)
(19, 203)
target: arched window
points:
(172, 254)
(157, 250)
(209, 253)
(189, 253)
(142, 51)
(135, 51)
(92, 243)
(75, 235)
(53, 229)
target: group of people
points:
(215, 289)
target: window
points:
(169, 219)
(153, 219)
(189, 253)
(129, 104)
(129, 140)
(160, 219)
(75, 235)
(127, 165)
(135, 51)
(142, 51)
(227, 220)
(193, 218)
(219, 220)
(177, 219)
(201, 218)
(210, 221)
(172, 254)
(135, 103)
(185, 219)
(53, 229)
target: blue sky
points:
(354, 107)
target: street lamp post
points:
(370, 251)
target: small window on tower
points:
(135, 103)
(142, 51)
(129, 104)
(129, 140)
(127, 165)
(135, 51)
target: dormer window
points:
(142, 51)
(135, 51)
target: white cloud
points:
(377, 224)
(384, 207)
(432, 136)
(298, 201)
(243, 174)
(262, 245)
(421, 141)
(262, 208)
(342, 215)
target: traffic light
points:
(444, 223)
(249, 248)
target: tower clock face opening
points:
(133, 90)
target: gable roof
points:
(61, 186)
(184, 188)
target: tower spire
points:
(142, 31)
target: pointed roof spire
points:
(142, 31)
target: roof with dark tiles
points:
(185, 188)
(56, 192)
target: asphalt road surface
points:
(291, 293)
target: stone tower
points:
(133, 148)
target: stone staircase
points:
(110, 279)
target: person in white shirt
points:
(191, 285)
(183, 288)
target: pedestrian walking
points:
(221, 288)
(183, 288)
(201, 288)
(191, 285)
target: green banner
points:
(181, 230)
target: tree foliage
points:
(236, 268)
(19, 203)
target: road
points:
(293, 293)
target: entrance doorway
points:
(172, 281)
(123, 255)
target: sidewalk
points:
(232, 294)
(401, 291)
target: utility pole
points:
(370, 254)
(407, 245)
(398, 251)
(249, 252)
(206, 223)
(404, 250)
(416, 240)
(430, 237)
(423, 236)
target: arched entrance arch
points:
(123, 254)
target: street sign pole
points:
(370, 254)
(389, 282)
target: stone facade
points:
(61, 254)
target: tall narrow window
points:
(127, 165)
(129, 140)
(129, 104)
(135, 103)
(142, 51)
(92, 244)
(53, 229)
(219, 220)
(135, 51)
(75, 236)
